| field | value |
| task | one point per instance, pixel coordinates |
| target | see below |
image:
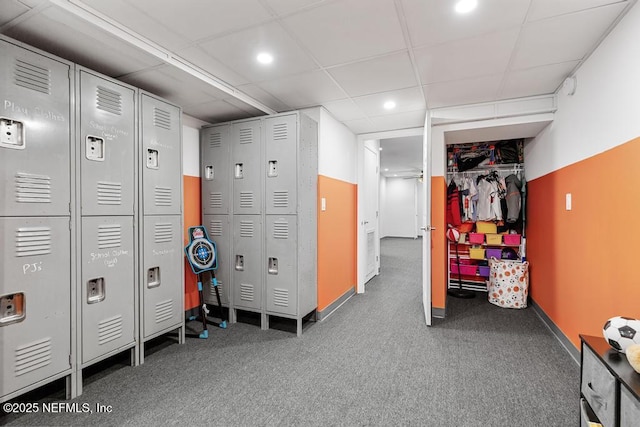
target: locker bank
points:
(284, 129)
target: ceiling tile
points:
(376, 75)
(284, 7)
(238, 51)
(197, 56)
(541, 9)
(250, 110)
(433, 22)
(572, 37)
(348, 30)
(536, 81)
(81, 42)
(410, 99)
(406, 120)
(304, 90)
(216, 111)
(462, 59)
(360, 126)
(140, 22)
(264, 97)
(10, 10)
(461, 92)
(344, 109)
(200, 19)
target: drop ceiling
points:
(350, 56)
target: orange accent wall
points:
(337, 240)
(192, 211)
(583, 262)
(438, 242)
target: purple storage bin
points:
(483, 270)
(496, 253)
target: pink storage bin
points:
(495, 253)
(511, 239)
(465, 270)
(476, 238)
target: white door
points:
(425, 220)
(370, 214)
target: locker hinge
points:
(70, 364)
(376, 214)
(377, 258)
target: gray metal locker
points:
(35, 301)
(216, 169)
(247, 167)
(247, 262)
(162, 286)
(161, 145)
(281, 145)
(107, 288)
(107, 143)
(35, 133)
(281, 260)
(219, 229)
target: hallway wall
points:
(398, 208)
(582, 268)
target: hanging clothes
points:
(513, 198)
(469, 199)
(453, 205)
(488, 205)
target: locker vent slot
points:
(109, 236)
(32, 356)
(163, 196)
(161, 118)
(215, 200)
(32, 77)
(164, 311)
(216, 228)
(280, 230)
(246, 136)
(163, 232)
(246, 229)
(108, 100)
(281, 297)
(246, 292)
(280, 132)
(212, 292)
(280, 199)
(32, 188)
(33, 241)
(246, 199)
(109, 193)
(215, 140)
(109, 329)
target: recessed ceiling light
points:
(466, 6)
(380, 148)
(386, 169)
(389, 105)
(265, 58)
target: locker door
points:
(162, 286)
(247, 168)
(216, 170)
(107, 143)
(35, 300)
(281, 165)
(219, 231)
(247, 262)
(107, 285)
(35, 134)
(161, 157)
(281, 258)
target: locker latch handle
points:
(153, 277)
(11, 133)
(239, 262)
(273, 265)
(12, 308)
(153, 160)
(95, 290)
(239, 171)
(272, 170)
(208, 172)
(95, 148)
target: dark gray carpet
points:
(373, 362)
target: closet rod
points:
(485, 171)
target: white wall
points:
(337, 147)
(603, 112)
(399, 208)
(191, 145)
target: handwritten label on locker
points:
(32, 268)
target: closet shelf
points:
(486, 244)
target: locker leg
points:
(71, 386)
(79, 382)
(181, 335)
(299, 327)
(232, 315)
(264, 324)
(141, 353)
(134, 355)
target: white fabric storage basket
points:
(508, 283)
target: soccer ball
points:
(620, 332)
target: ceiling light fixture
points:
(389, 105)
(380, 148)
(265, 58)
(386, 169)
(466, 6)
